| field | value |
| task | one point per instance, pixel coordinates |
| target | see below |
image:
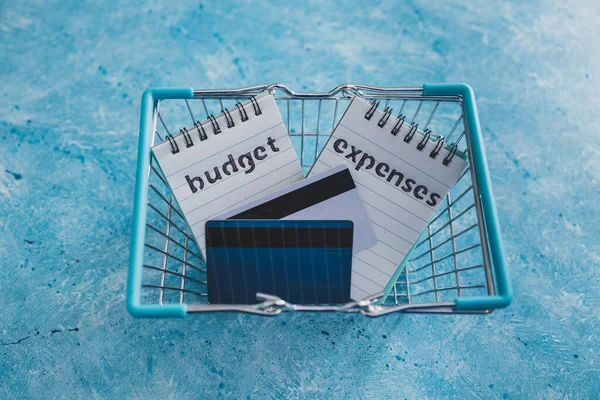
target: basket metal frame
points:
(497, 283)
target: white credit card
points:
(331, 195)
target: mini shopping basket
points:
(458, 263)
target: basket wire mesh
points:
(451, 258)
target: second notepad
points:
(402, 175)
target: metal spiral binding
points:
(438, 146)
(186, 136)
(396, 129)
(201, 131)
(228, 118)
(386, 115)
(371, 111)
(425, 139)
(173, 143)
(215, 125)
(257, 110)
(242, 110)
(450, 156)
(411, 133)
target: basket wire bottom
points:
(449, 260)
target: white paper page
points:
(397, 215)
(269, 162)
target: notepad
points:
(227, 160)
(402, 176)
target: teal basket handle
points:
(150, 99)
(504, 294)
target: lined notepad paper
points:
(251, 156)
(400, 186)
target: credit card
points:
(302, 262)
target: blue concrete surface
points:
(72, 74)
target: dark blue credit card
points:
(302, 262)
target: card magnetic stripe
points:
(281, 237)
(301, 198)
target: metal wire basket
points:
(457, 267)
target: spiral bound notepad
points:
(227, 160)
(402, 175)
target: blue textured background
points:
(71, 80)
